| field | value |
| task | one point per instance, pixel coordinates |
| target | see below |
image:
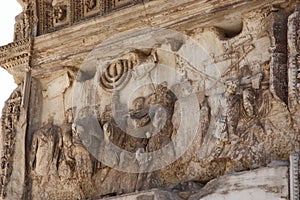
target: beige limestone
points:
(116, 97)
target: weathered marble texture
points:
(117, 97)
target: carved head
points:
(245, 71)
(138, 103)
(162, 87)
(231, 86)
(73, 128)
(67, 139)
(69, 115)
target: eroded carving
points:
(58, 156)
(45, 17)
(60, 13)
(90, 4)
(229, 112)
(9, 119)
(45, 150)
(53, 15)
(242, 125)
(117, 74)
(294, 57)
(294, 176)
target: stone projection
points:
(132, 99)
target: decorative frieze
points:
(54, 15)
(61, 14)
(294, 57)
(93, 7)
(294, 176)
(15, 54)
(9, 120)
(278, 64)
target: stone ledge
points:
(156, 194)
(258, 184)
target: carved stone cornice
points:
(15, 58)
(55, 15)
(54, 48)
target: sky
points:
(8, 10)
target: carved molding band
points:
(294, 57)
(15, 54)
(294, 176)
(54, 16)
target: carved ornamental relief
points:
(134, 111)
(61, 13)
(294, 57)
(58, 157)
(9, 120)
(55, 14)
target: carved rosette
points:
(54, 16)
(61, 14)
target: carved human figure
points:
(110, 153)
(142, 159)
(67, 161)
(254, 88)
(46, 145)
(228, 113)
(161, 104)
(84, 165)
(250, 99)
(139, 115)
(158, 116)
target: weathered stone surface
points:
(57, 86)
(147, 195)
(264, 183)
(121, 96)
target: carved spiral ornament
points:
(116, 75)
